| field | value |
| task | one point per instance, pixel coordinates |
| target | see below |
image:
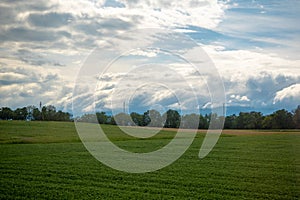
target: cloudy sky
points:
(254, 45)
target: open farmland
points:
(46, 160)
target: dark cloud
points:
(89, 28)
(104, 27)
(51, 19)
(25, 34)
(260, 90)
(7, 15)
(113, 4)
(12, 78)
(28, 86)
(266, 85)
(34, 58)
(115, 23)
(30, 5)
(20, 75)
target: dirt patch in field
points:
(258, 132)
(231, 131)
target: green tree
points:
(172, 119)
(90, 118)
(296, 117)
(111, 120)
(6, 113)
(36, 114)
(137, 118)
(190, 121)
(50, 113)
(20, 114)
(281, 119)
(268, 122)
(62, 116)
(153, 118)
(30, 112)
(102, 117)
(204, 121)
(230, 122)
(252, 120)
(123, 119)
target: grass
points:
(46, 160)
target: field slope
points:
(46, 160)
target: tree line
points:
(46, 113)
(280, 119)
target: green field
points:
(46, 160)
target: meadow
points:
(46, 160)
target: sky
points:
(253, 47)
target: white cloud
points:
(22, 84)
(177, 13)
(45, 42)
(238, 98)
(291, 93)
(144, 53)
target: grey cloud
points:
(51, 19)
(64, 33)
(51, 77)
(25, 86)
(108, 87)
(18, 75)
(34, 58)
(12, 78)
(261, 89)
(32, 5)
(196, 3)
(25, 94)
(82, 101)
(115, 23)
(25, 34)
(105, 77)
(21, 75)
(89, 28)
(266, 84)
(96, 28)
(7, 15)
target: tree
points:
(296, 117)
(204, 122)
(281, 119)
(50, 113)
(37, 115)
(123, 119)
(30, 112)
(87, 118)
(112, 120)
(268, 122)
(62, 116)
(230, 122)
(102, 117)
(153, 118)
(190, 121)
(43, 112)
(252, 120)
(6, 113)
(172, 119)
(20, 114)
(137, 118)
